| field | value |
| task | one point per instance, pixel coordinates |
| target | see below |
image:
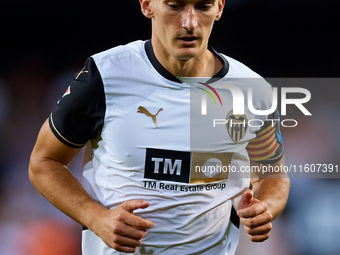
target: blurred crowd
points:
(29, 225)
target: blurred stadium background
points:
(43, 43)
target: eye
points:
(174, 6)
(204, 7)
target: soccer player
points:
(131, 107)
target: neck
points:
(205, 64)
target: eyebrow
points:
(201, 1)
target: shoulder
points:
(245, 78)
(121, 61)
(239, 70)
(133, 49)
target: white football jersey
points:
(166, 140)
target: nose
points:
(189, 20)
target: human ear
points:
(220, 9)
(146, 9)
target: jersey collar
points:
(166, 74)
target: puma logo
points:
(82, 71)
(142, 110)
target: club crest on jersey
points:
(237, 126)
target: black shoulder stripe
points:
(60, 137)
(79, 114)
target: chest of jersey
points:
(158, 131)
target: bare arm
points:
(259, 207)
(48, 172)
(272, 188)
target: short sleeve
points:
(267, 147)
(79, 114)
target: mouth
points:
(188, 40)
